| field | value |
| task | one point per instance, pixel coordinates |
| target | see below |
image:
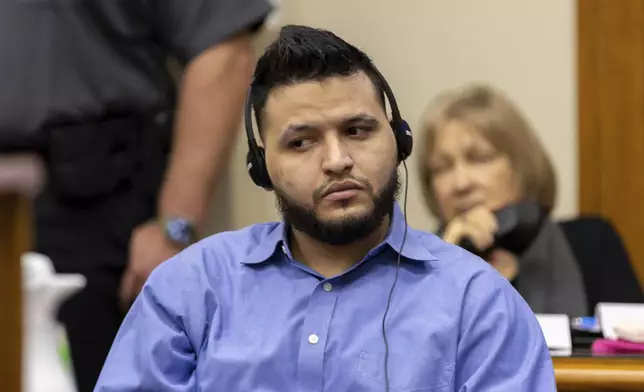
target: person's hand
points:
(149, 247)
(505, 262)
(478, 224)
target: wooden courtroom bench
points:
(599, 374)
(20, 177)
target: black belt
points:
(93, 159)
(12, 141)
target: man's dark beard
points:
(347, 230)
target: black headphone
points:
(256, 159)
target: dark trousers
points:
(91, 238)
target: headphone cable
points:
(393, 286)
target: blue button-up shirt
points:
(235, 312)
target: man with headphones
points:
(341, 295)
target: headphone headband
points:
(256, 159)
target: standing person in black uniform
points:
(85, 83)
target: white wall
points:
(526, 48)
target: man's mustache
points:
(318, 194)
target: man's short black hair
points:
(303, 53)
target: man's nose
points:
(337, 158)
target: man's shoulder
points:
(458, 270)
(446, 257)
(473, 282)
(223, 251)
(246, 238)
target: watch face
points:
(179, 230)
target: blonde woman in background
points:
(479, 154)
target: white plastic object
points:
(43, 292)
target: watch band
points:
(178, 230)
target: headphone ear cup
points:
(404, 138)
(256, 166)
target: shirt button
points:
(328, 287)
(313, 338)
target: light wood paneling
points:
(611, 116)
(14, 233)
(20, 178)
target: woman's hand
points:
(478, 225)
(505, 262)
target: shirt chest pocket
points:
(408, 372)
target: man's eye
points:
(357, 131)
(299, 144)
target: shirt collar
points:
(414, 248)
(415, 243)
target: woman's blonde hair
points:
(501, 123)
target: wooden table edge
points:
(613, 372)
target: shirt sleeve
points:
(152, 351)
(190, 27)
(501, 346)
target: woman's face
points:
(468, 171)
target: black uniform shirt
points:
(77, 59)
